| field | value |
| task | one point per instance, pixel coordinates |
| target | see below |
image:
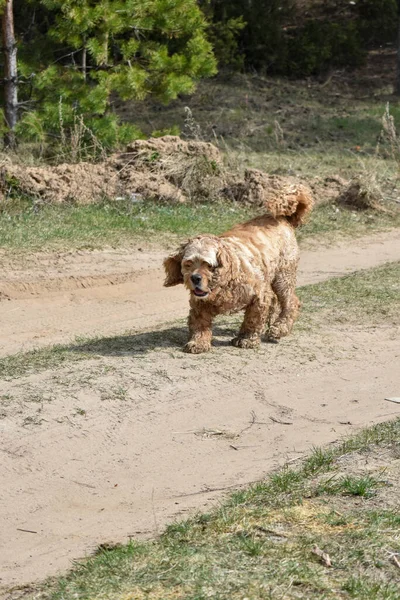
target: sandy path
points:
(54, 298)
(122, 444)
(132, 463)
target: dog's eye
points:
(188, 263)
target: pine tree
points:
(76, 55)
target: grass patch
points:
(259, 543)
(26, 227)
(23, 363)
(371, 296)
(23, 227)
(329, 222)
(350, 485)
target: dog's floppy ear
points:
(172, 266)
(222, 257)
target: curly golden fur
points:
(252, 267)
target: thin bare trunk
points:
(10, 74)
(398, 59)
(84, 67)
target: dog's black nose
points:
(196, 279)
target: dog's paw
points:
(196, 348)
(246, 342)
(270, 339)
(279, 330)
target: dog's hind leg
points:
(284, 286)
(254, 322)
(274, 310)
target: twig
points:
(252, 422)
(92, 487)
(323, 556)
(154, 511)
(26, 530)
(206, 491)
(395, 560)
(281, 422)
(271, 531)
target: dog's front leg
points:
(254, 321)
(200, 322)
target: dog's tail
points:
(293, 201)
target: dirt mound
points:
(156, 149)
(362, 195)
(279, 195)
(82, 182)
(167, 169)
(327, 189)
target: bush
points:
(245, 33)
(318, 46)
(262, 35)
(377, 21)
(224, 37)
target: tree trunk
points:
(10, 74)
(84, 65)
(397, 86)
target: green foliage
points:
(377, 21)
(319, 46)
(224, 33)
(224, 37)
(174, 130)
(249, 33)
(83, 54)
(264, 35)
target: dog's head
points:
(199, 265)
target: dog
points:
(251, 267)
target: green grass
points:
(350, 485)
(328, 223)
(16, 365)
(258, 543)
(245, 109)
(24, 227)
(369, 297)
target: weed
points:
(80, 411)
(320, 459)
(350, 485)
(285, 480)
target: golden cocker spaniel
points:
(251, 267)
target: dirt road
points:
(119, 445)
(49, 299)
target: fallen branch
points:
(323, 556)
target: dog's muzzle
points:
(199, 292)
(196, 281)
